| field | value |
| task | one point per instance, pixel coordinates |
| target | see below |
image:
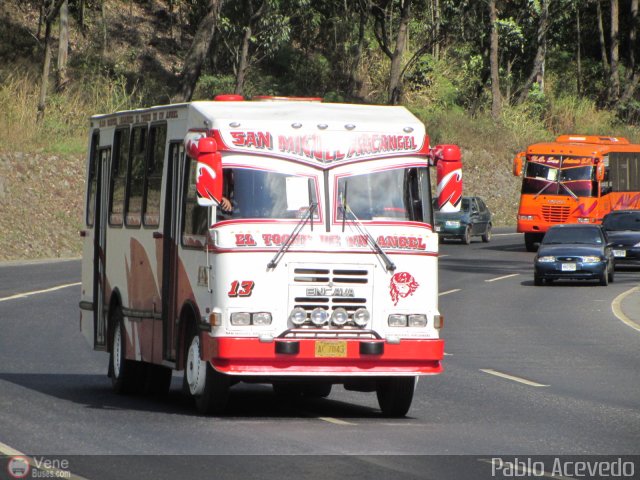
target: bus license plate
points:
(327, 349)
(568, 267)
(619, 253)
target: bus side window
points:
(195, 221)
(135, 180)
(119, 175)
(153, 177)
(92, 180)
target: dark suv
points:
(623, 231)
(473, 219)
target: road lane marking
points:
(512, 377)
(35, 292)
(335, 421)
(52, 472)
(443, 255)
(616, 306)
(449, 291)
(502, 278)
(505, 234)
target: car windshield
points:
(624, 221)
(572, 235)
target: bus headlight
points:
(339, 316)
(319, 316)
(261, 318)
(584, 220)
(361, 317)
(240, 319)
(298, 316)
(417, 320)
(525, 217)
(397, 320)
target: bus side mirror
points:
(448, 161)
(517, 164)
(600, 171)
(208, 171)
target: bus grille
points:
(330, 288)
(555, 213)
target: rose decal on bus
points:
(402, 285)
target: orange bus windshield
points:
(560, 175)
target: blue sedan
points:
(574, 252)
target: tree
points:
(50, 9)
(381, 31)
(537, 71)
(63, 47)
(614, 78)
(496, 96)
(198, 51)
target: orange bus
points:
(576, 179)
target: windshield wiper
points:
(286, 245)
(363, 231)
(568, 190)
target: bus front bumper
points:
(320, 357)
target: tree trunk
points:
(50, 12)
(354, 78)
(81, 12)
(614, 78)
(103, 14)
(63, 47)
(634, 77)
(578, 50)
(395, 75)
(242, 62)
(198, 51)
(537, 72)
(496, 100)
(436, 29)
(603, 46)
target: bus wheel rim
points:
(195, 368)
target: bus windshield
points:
(401, 194)
(265, 194)
(560, 176)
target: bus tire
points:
(395, 395)
(125, 374)
(317, 390)
(208, 387)
(530, 240)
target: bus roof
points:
(587, 145)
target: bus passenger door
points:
(170, 235)
(99, 249)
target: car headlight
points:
(591, 259)
(452, 223)
(546, 259)
(637, 244)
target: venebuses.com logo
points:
(18, 466)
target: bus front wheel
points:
(395, 395)
(209, 388)
(530, 240)
(126, 375)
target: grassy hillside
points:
(42, 165)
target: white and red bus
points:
(281, 241)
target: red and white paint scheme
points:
(281, 241)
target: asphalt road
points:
(529, 371)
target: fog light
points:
(298, 316)
(339, 316)
(361, 317)
(240, 319)
(262, 318)
(397, 320)
(417, 320)
(319, 316)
